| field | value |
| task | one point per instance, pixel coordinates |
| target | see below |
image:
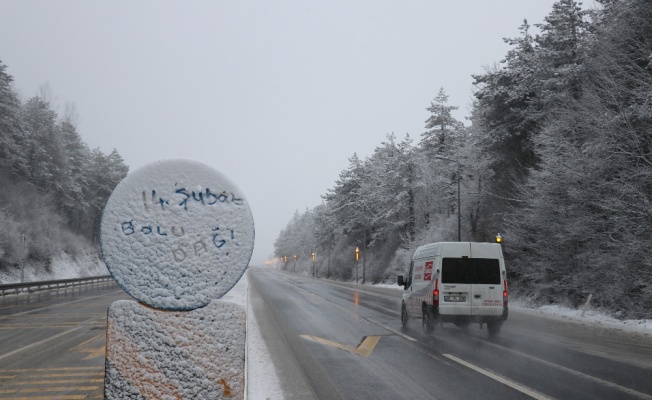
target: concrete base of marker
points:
(154, 354)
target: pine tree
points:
(12, 130)
(443, 129)
(45, 158)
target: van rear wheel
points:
(426, 321)
(494, 327)
(404, 315)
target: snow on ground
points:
(260, 376)
(590, 317)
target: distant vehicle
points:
(458, 282)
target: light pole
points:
(364, 241)
(357, 256)
(295, 265)
(22, 262)
(313, 264)
(459, 207)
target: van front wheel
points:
(427, 322)
(404, 315)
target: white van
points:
(458, 282)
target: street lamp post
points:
(459, 202)
(313, 264)
(364, 242)
(357, 256)
(295, 264)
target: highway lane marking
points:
(51, 389)
(56, 381)
(53, 326)
(61, 304)
(51, 338)
(521, 388)
(45, 378)
(576, 373)
(92, 352)
(364, 349)
(346, 310)
(17, 370)
(68, 397)
(73, 374)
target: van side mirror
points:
(401, 282)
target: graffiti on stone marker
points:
(218, 238)
(182, 197)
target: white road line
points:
(84, 324)
(523, 389)
(346, 310)
(576, 373)
(60, 304)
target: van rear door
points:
(471, 286)
(456, 288)
(487, 290)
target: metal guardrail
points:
(30, 287)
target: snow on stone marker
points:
(176, 235)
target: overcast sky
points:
(277, 95)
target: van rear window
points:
(470, 270)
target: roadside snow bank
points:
(262, 382)
(591, 317)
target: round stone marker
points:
(176, 234)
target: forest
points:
(53, 187)
(556, 158)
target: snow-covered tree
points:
(442, 135)
(12, 130)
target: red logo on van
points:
(427, 275)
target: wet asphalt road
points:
(338, 341)
(341, 341)
(52, 343)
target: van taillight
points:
(505, 295)
(435, 294)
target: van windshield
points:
(470, 270)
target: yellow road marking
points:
(84, 343)
(68, 397)
(82, 325)
(53, 369)
(56, 381)
(72, 374)
(38, 326)
(96, 352)
(364, 349)
(367, 346)
(51, 389)
(99, 351)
